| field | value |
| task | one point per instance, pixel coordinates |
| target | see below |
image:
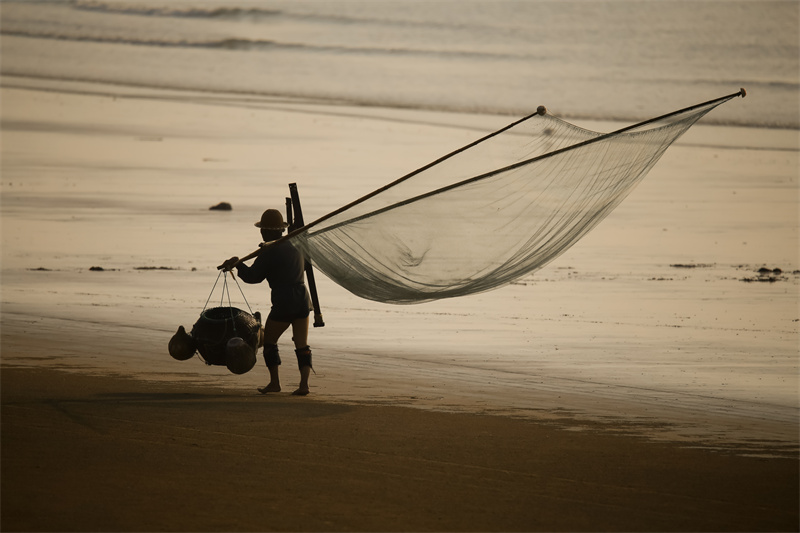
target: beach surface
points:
(646, 380)
(102, 453)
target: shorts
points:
(290, 303)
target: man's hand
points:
(228, 265)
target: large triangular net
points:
(490, 212)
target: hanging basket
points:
(214, 331)
(224, 336)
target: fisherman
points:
(282, 266)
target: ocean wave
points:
(242, 44)
(234, 95)
(252, 14)
(211, 13)
(226, 44)
(387, 54)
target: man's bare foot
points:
(302, 388)
(272, 387)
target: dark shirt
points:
(281, 265)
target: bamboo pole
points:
(541, 110)
(486, 175)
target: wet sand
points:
(643, 381)
(92, 453)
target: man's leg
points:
(272, 332)
(303, 353)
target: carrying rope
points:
(212, 292)
(242, 293)
(226, 292)
(213, 336)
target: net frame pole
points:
(289, 214)
(489, 174)
(540, 111)
(410, 175)
(319, 322)
(303, 228)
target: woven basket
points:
(217, 326)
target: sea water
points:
(614, 319)
(605, 59)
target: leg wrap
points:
(303, 357)
(271, 355)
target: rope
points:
(212, 292)
(243, 296)
(226, 291)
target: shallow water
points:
(607, 60)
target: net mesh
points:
(488, 214)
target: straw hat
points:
(272, 219)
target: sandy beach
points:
(646, 380)
(88, 453)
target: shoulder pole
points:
(541, 110)
(294, 203)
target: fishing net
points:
(488, 213)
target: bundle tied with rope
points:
(224, 335)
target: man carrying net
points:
(282, 265)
